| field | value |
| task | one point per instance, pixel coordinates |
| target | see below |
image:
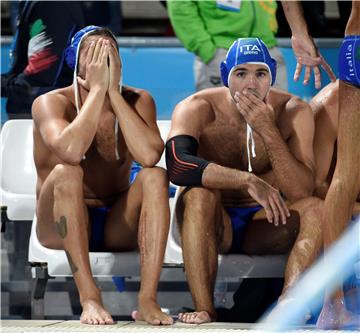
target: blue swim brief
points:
(97, 216)
(240, 216)
(349, 60)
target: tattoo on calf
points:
(61, 227)
(71, 263)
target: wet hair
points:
(102, 32)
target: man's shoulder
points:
(194, 106)
(206, 100)
(287, 102)
(52, 103)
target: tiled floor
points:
(19, 326)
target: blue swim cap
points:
(72, 49)
(247, 50)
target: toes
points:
(135, 315)
(188, 317)
(167, 321)
(155, 321)
(202, 317)
(106, 318)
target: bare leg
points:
(63, 224)
(308, 243)
(146, 200)
(305, 250)
(205, 230)
(341, 197)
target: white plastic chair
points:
(18, 174)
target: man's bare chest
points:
(226, 145)
(108, 144)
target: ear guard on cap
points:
(71, 50)
(224, 73)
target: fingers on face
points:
(90, 52)
(104, 51)
(97, 49)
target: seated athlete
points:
(326, 108)
(86, 137)
(218, 136)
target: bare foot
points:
(335, 316)
(200, 317)
(150, 312)
(95, 314)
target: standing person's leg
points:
(208, 75)
(140, 219)
(342, 195)
(205, 231)
(63, 223)
(281, 81)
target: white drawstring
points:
(250, 137)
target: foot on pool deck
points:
(199, 317)
(334, 315)
(94, 313)
(150, 312)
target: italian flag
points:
(39, 52)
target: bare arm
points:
(291, 161)
(70, 141)
(137, 124)
(219, 177)
(306, 52)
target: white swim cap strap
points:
(250, 140)
(116, 138)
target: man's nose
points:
(251, 81)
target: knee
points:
(200, 197)
(310, 211)
(284, 237)
(67, 177)
(155, 177)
